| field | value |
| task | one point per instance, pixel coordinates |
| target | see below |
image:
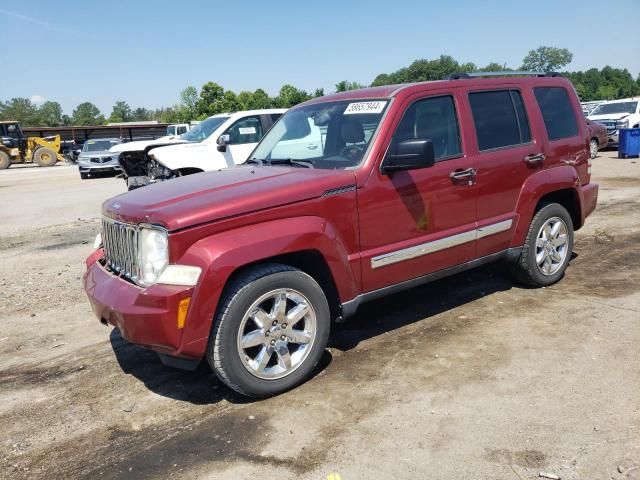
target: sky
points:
(146, 52)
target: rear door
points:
(505, 150)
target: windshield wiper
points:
(291, 161)
(255, 160)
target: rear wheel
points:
(547, 249)
(593, 148)
(45, 157)
(270, 332)
(5, 160)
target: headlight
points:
(622, 123)
(154, 254)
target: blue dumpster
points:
(629, 142)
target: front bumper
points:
(612, 139)
(98, 167)
(144, 316)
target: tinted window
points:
(432, 119)
(247, 130)
(500, 119)
(557, 112)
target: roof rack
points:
(462, 75)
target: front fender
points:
(534, 188)
(220, 255)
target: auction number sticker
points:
(247, 130)
(364, 107)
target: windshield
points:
(332, 135)
(618, 107)
(99, 145)
(204, 129)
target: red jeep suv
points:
(349, 197)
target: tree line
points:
(594, 84)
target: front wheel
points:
(593, 148)
(270, 331)
(5, 160)
(45, 157)
(548, 247)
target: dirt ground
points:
(471, 377)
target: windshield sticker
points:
(247, 130)
(364, 107)
(91, 142)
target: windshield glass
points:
(98, 145)
(620, 107)
(332, 135)
(204, 129)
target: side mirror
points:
(409, 155)
(223, 141)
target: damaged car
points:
(219, 142)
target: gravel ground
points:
(471, 377)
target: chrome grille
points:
(120, 245)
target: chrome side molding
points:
(440, 244)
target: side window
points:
(432, 119)
(182, 129)
(275, 117)
(557, 112)
(500, 119)
(247, 130)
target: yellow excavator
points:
(16, 148)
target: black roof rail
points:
(462, 75)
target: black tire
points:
(223, 353)
(84, 175)
(5, 160)
(45, 157)
(526, 269)
(593, 148)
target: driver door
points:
(243, 137)
(420, 221)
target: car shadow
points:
(404, 308)
(199, 387)
(202, 387)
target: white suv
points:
(617, 114)
(220, 141)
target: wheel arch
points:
(310, 244)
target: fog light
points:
(183, 307)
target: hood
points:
(140, 145)
(210, 196)
(180, 148)
(608, 116)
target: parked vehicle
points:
(588, 107)
(177, 129)
(617, 114)
(71, 151)
(247, 267)
(16, 148)
(218, 142)
(597, 137)
(95, 157)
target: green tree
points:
(290, 96)
(87, 114)
(49, 114)
(189, 100)
(260, 99)
(424, 70)
(345, 85)
(210, 96)
(318, 93)
(121, 112)
(496, 67)
(546, 59)
(228, 103)
(20, 109)
(141, 114)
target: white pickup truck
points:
(220, 141)
(617, 114)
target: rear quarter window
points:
(557, 112)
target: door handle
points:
(534, 158)
(463, 174)
(312, 146)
